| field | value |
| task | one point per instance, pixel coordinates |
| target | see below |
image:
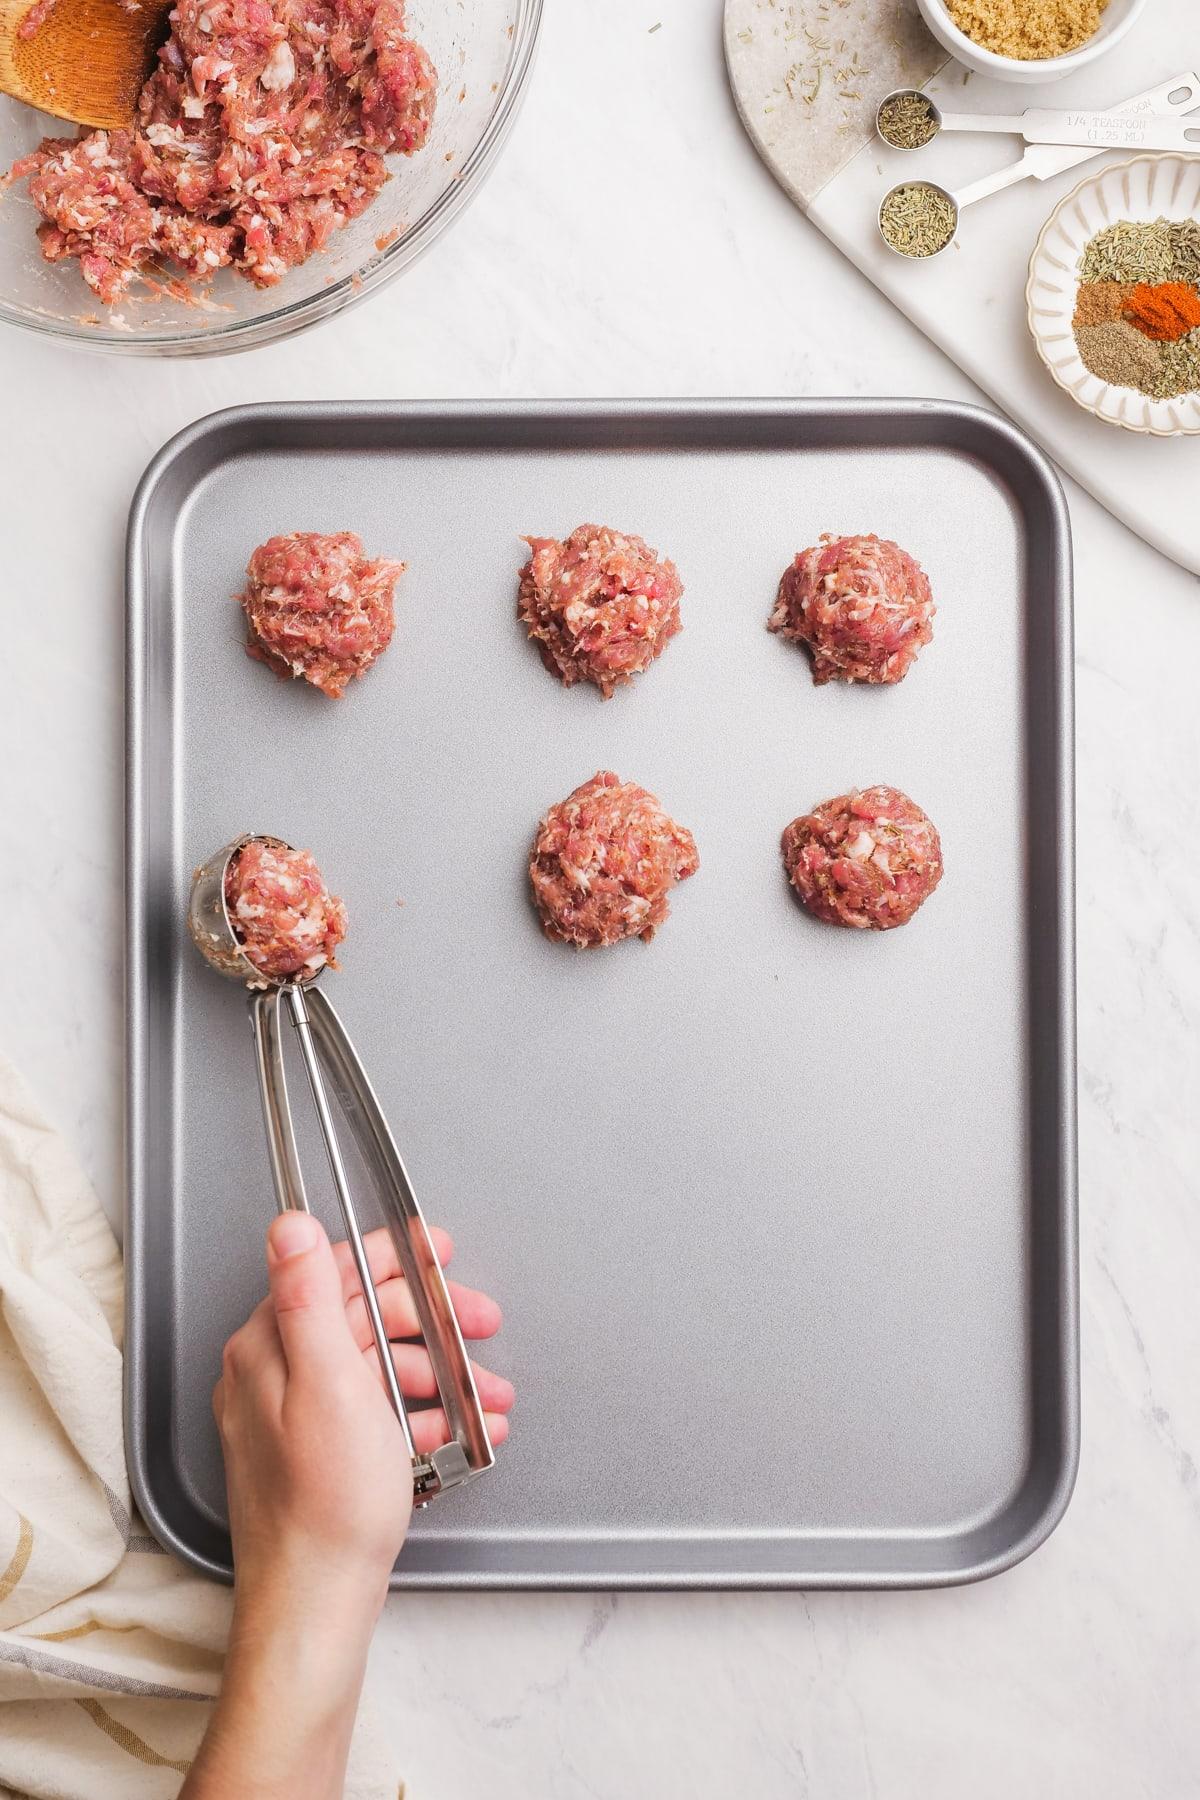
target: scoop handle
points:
(286, 1173)
(285, 1159)
(470, 1451)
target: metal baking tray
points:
(782, 1217)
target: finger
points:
(306, 1294)
(218, 1401)
(430, 1430)
(478, 1315)
(414, 1372)
(259, 1336)
(254, 1353)
(382, 1260)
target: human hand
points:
(316, 1467)
(320, 1496)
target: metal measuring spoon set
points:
(1058, 140)
(332, 1066)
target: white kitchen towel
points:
(110, 1650)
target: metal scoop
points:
(1175, 97)
(1042, 125)
(331, 1062)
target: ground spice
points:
(907, 121)
(1028, 29)
(1096, 302)
(1164, 312)
(917, 219)
(1119, 354)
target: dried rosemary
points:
(917, 219)
(907, 121)
(1144, 250)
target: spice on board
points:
(917, 219)
(907, 121)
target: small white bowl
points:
(1115, 21)
(1148, 187)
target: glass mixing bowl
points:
(482, 50)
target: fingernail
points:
(291, 1234)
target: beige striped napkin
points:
(110, 1651)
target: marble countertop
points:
(1075, 1675)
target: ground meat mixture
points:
(287, 921)
(318, 608)
(263, 129)
(861, 604)
(604, 862)
(867, 859)
(601, 605)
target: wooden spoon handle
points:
(86, 62)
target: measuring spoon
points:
(1178, 96)
(1043, 125)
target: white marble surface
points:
(967, 300)
(1076, 1676)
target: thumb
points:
(306, 1291)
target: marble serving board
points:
(807, 76)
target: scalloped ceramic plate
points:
(1149, 187)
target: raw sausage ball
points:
(604, 862)
(867, 859)
(285, 918)
(601, 605)
(318, 608)
(861, 604)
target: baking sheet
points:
(782, 1217)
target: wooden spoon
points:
(87, 61)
